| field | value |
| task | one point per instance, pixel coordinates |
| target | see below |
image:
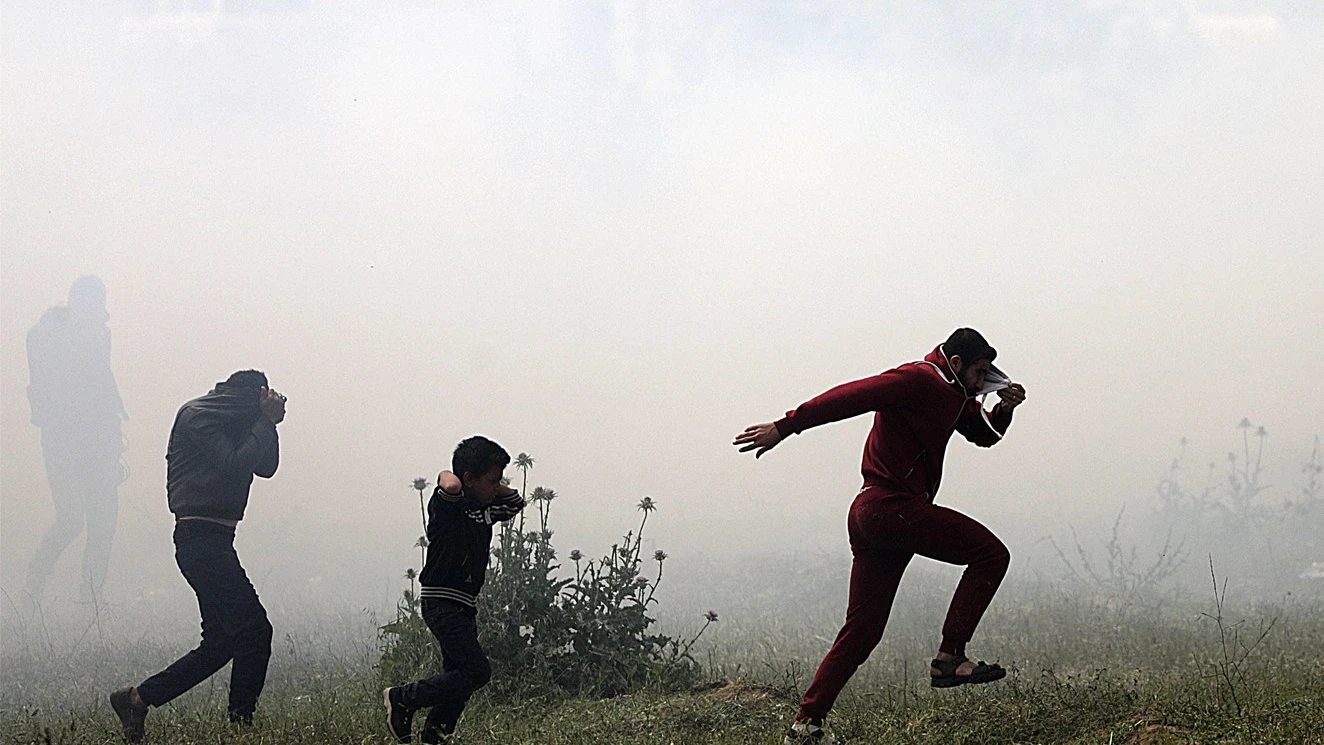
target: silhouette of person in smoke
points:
(77, 405)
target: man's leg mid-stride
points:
(874, 579)
(886, 531)
(948, 536)
(234, 624)
(875, 575)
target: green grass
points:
(1104, 707)
(1083, 670)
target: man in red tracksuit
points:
(917, 406)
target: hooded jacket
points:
(459, 544)
(219, 442)
(917, 406)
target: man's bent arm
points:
(267, 468)
(245, 457)
(984, 428)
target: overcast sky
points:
(613, 234)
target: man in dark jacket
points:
(459, 531)
(218, 444)
(917, 407)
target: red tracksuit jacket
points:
(917, 407)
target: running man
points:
(917, 407)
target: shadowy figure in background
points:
(77, 405)
(219, 442)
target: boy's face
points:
(483, 488)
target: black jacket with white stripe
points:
(459, 544)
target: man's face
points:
(483, 489)
(972, 376)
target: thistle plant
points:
(709, 619)
(1311, 494)
(1232, 503)
(421, 485)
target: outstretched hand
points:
(758, 437)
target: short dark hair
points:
(247, 379)
(478, 455)
(970, 346)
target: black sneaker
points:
(399, 718)
(241, 719)
(132, 718)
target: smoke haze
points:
(612, 235)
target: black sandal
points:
(948, 678)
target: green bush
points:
(588, 634)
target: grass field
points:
(1084, 669)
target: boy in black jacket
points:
(460, 518)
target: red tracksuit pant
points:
(886, 531)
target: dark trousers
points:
(465, 668)
(886, 532)
(234, 623)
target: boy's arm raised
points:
(507, 504)
(449, 483)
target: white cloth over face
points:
(994, 380)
